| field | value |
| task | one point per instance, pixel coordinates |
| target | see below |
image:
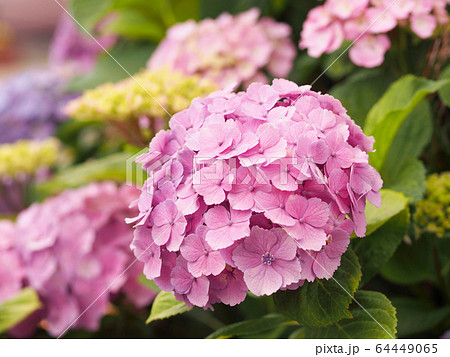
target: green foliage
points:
(148, 283)
(444, 92)
(360, 91)
(213, 9)
(323, 302)
(388, 114)
(373, 317)
(165, 305)
(416, 316)
(337, 65)
(402, 171)
(130, 57)
(392, 204)
(410, 179)
(303, 68)
(377, 248)
(250, 327)
(411, 263)
(87, 12)
(136, 19)
(133, 24)
(112, 167)
(16, 309)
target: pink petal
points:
(198, 295)
(217, 217)
(317, 213)
(263, 280)
(288, 269)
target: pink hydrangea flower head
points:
(229, 50)
(265, 175)
(368, 23)
(69, 274)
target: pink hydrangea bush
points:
(73, 247)
(368, 22)
(252, 191)
(11, 269)
(229, 49)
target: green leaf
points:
(388, 114)
(376, 249)
(411, 263)
(360, 91)
(148, 283)
(250, 327)
(303, 68)
(412, 137)
(415, 316)
(375, 320)
(132, 57)
(298, 334)
(323, 302)
(133, 24)
(16, 309)
(392, 203)
(336, 65)
(112, 167)
(88, 12)
(444, 92)
(165, 305)
(410, 179)
(213, 9)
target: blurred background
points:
(26, 30)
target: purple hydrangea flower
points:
(31, 104)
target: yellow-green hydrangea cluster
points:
(433, 212)
(27, 157)
(144, 95)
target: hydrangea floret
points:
(229, 49)
(252, 191)
(368, 22)
(143, 102)
(69, 274)
(433, 212)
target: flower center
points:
(267, 258)
(230, 223)
(171, 222)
